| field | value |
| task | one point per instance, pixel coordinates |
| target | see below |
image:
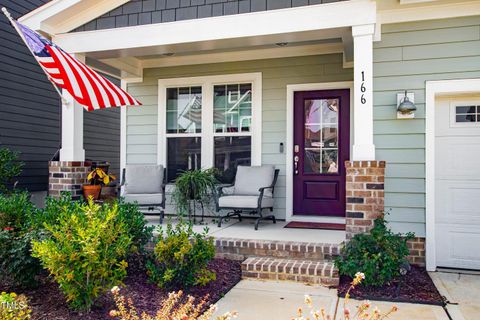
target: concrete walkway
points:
(462, 291)
(280, 301)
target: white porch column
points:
(363, 147)
(72, 127)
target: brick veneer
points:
(417, 251)
(365, 195)
(313, 272)
(67, 176)
(240, 249)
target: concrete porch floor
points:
(266, 231)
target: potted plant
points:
(198, 185)
(97, 178)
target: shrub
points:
(136, 225)
(15, 210)
(379, 254)
(181, 257)
(14, 307)
(10, 167)
(171, 308)
(16, 234)
(85, 251)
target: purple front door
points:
(321, 147)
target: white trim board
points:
(323, 21)
(291, 89)
(433, 90)
(207, 83)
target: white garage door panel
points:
(457, 158)
(458, 202)
(457, 189)
(458, 246)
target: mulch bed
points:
(416, 287)
(48, 303)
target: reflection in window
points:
(467, 114)
(232, 107)
(182, 154)
(321, 136)
(184, 110)
(231, 152)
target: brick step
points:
(306, 271)
(240, 249)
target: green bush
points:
(16, 234)
(15, 210)
(85, 251)
(136, 224)
(378, 254)
(181, 257)
(10, 167)
(14, 307)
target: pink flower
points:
(8, 229)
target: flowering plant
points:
(364, 311)
(170, 309)
(98, 177)
(14, 307)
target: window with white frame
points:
(207, 122)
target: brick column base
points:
(417, 251)
(365, 195)
(67, 176)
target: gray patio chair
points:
(145, 185)
(252, 191)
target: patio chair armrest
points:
(220, 189)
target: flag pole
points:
(14, 25)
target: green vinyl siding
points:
(276, 74)
(408, 55)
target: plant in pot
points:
(194, 185)
(97, 178)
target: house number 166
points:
(363, 89)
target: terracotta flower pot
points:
(91, 191)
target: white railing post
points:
(363, 147)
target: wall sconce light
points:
(405, 105)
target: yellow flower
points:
(308, 300)
(115, 290)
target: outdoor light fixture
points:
(405, 105)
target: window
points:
(467, 114)
(207, 122)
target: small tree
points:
(10, 167)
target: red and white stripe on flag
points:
(88, 87)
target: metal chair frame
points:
(150, 206)
(238, 211)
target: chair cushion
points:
(144, 199)
(140, 179)
(244, 202)
(249, 179)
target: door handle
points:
(295, 162)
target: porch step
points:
(306, 271)
(241, 249)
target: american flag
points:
(89, 88)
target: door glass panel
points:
(321, 136)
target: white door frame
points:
(434, 89)
(291, 89)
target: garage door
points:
(457, 182)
